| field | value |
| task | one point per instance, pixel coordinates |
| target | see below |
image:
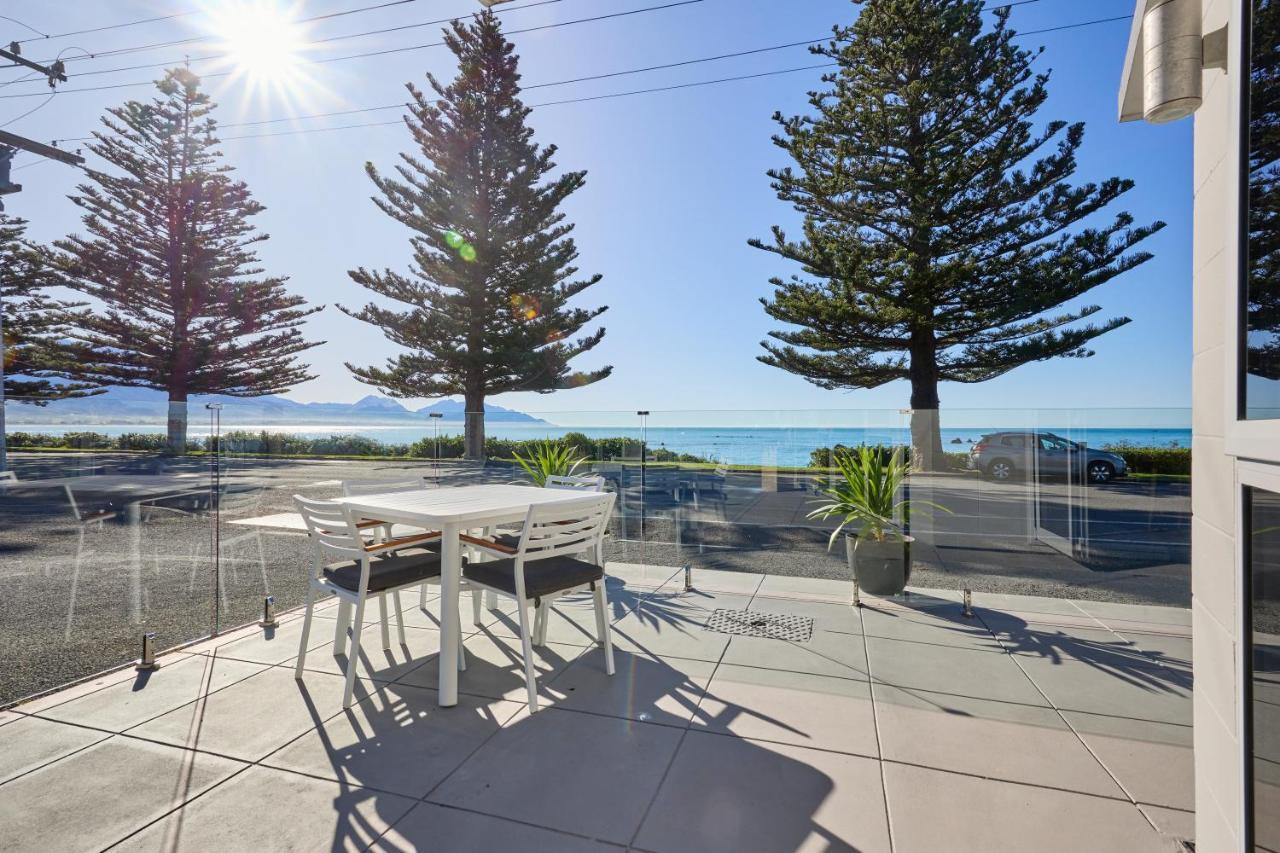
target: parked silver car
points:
(1004, 455)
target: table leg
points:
(450, 580)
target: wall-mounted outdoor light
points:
(1167, 53)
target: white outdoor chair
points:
(546, 564)
(587, 483)
(362, 569)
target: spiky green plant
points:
(866, 493)
(549, 459)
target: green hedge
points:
(93, 441)
(1153, 460)
(342, 444)
(821, 458)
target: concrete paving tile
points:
(32, 742)
(270, 810)
(1056, 643)
(813, 589)
(1153, 693)
(943, 669)
(568, 624)
(790, 707)
(84, 688)
(276, 645)
(1148, 613)
(495, 668)
(642, 575)
(377, 663)
(664, 630)
(605, 771)
(731, 795)
(982, 737)
(827, 653)
(253, 717)
(1172, 823)
(677, 601)
(928, 626)
(1165, 649)
(150, 694)
(397, 740)
(933, 810)
(433, 828)
(1034, 606)
(1019, 620)
(643, 687)
(713, 580)
(7, 717)
(94, 798)
(1153, 761)
(843, 618)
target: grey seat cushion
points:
(541, 577)
(388, 571)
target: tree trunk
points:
(926, 432)
(177, 426)
(473, 429)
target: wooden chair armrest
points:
(369, 522)
(488, 543)
(401, 542)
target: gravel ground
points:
(79, 596)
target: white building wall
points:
(1214, 572)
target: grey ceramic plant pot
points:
(882, 567)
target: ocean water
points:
(786, 446)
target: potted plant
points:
(865, 492)
(549, 459)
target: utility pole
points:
(11, 144)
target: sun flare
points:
(262, 40)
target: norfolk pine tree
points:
(38, 358)
(938, 239)
(492, 272)
(170, 255)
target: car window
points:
(1014, 441)
(1051, 443)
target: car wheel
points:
(1001, 469)
(1100, 472)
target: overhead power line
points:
(367, 54)
(194, 39)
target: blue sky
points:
(676, 184)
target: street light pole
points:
(435, 428)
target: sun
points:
(262, 41)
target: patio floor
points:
(1041, 724)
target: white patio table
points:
(452, 510)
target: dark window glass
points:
(1014, 441)
(1260, 320)
(1263, 555)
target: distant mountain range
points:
(141, 405)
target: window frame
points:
(1260, 438)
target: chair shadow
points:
(384, 720)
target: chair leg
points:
(540, 623)
(422, 598)
(340, 631)
(476, 596)
(395, 596)
(491, 600)
(530, 678)
(386, 630)
(353, 660)
(602, 626)
(306, 632)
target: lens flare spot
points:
(453, 239)
(467, 252)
